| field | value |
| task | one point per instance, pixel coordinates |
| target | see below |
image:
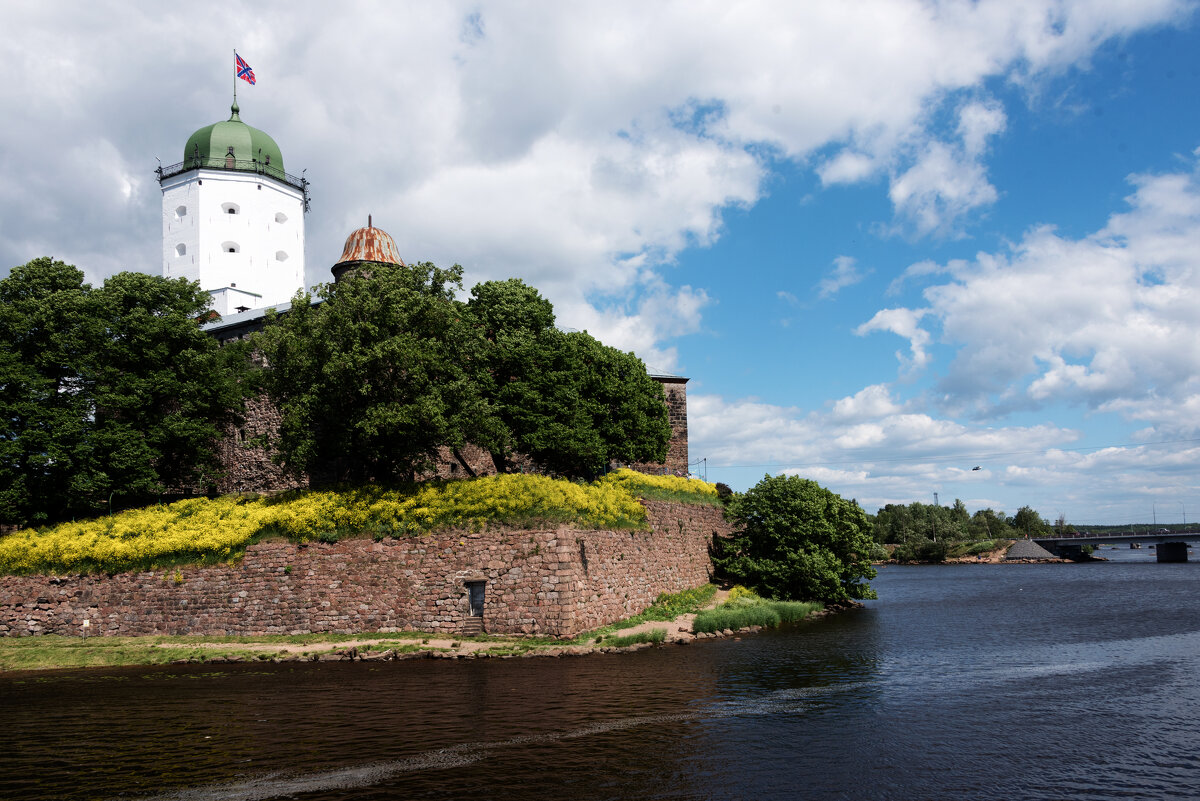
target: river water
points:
(960, 682)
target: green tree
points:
(1027, 522)
(110, 395)
(374, 379)
(568, 401)
(893, 524)
(794, 539)
(46, 459)
(987, 524)
(624, 406)
(164, 389)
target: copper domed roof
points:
(368, 244)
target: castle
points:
(233, 220)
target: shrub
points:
(737, 593)
(922, 551)
(617, 641)
(795, 539)
(670, 606)
(744, 608)
(735, 617)
(791, 611)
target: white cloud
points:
(869, 447)
(918, 270)
(870, 402)
(905, 323)
(846, 167)
(1108, 320)
(949, 180)
(581, 153)
(976, 122)
(845, 273)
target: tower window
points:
(180, 212)
(231, 208)
(230, 247)
(281, 255)
(280, 217)
(181, 249)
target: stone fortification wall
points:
(248, 467)
(675, 395)
(546, 582)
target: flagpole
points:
(235, 72)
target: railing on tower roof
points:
(235, 165)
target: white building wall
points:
(266, 233)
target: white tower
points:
(233, 219)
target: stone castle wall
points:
(247, 467)
(546, 582)
(675, 392)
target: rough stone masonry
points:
(551, 583)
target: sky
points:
(904, 249)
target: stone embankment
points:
(547, 582)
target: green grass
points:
(752, 611)
(791, 611)
(677, 496)
(986, 546)
(617, 641)
(667, 607)
(56, 651)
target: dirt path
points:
(679, 629)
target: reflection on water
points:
(1043, 682)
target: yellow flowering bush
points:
(671, 488)
(208, 530)
(738, 592)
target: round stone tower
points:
(233, 218)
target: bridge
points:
(1169, 546)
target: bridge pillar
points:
(1172, 552)
(1069, 551)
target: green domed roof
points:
(253, 150)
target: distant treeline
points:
(927, 532)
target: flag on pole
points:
(243, 69)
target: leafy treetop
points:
(107, 396)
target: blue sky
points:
(888, 242)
